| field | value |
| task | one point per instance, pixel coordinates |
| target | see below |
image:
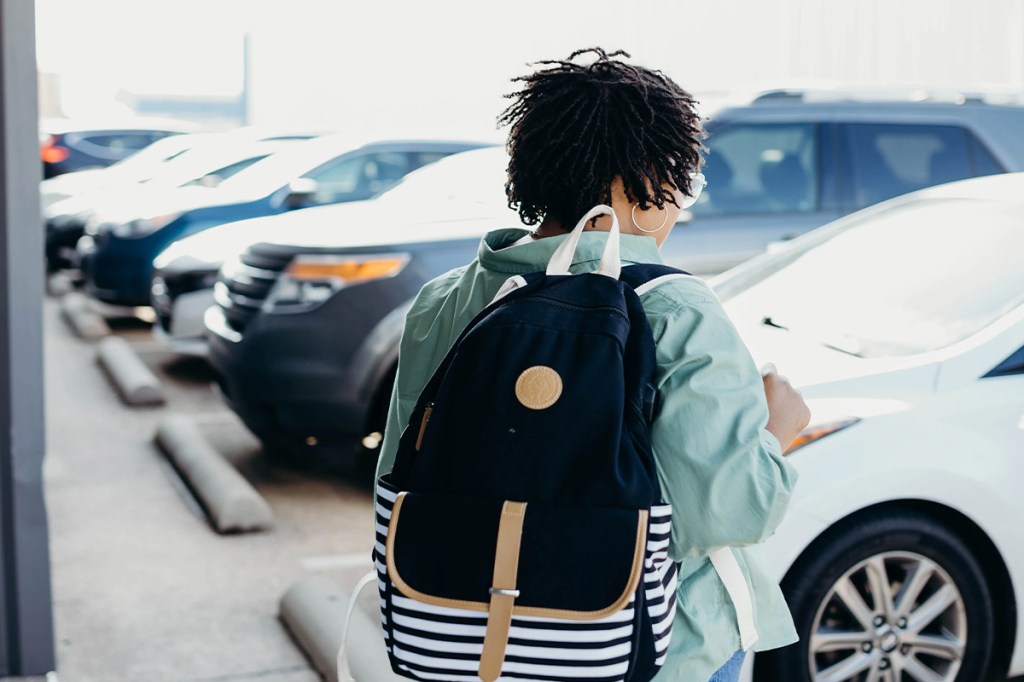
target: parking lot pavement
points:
(143, 588)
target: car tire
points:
(897, 545)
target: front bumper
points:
(117, 271)
(179, 321)
(282, 394)
(307, 377)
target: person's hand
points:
(788, 414)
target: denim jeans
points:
(730, 672)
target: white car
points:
(902, 555)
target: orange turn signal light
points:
(809, 435)
(347, 270)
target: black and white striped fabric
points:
(430, 642)
(660, 577)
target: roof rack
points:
(991, 95)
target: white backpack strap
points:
(611, 262)
(658, 281)
(510, 285)
(729, 572)
(343, 668)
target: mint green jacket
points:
(720, 469)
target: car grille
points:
(243, 289)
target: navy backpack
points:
(521, 532)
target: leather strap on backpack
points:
(503, 590)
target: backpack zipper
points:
(423, 425)
(571, 306)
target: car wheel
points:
(886, 599)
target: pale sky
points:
(443, 65)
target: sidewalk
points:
(143, 588)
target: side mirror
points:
(301, 192)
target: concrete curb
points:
(232, 504)
(134, 382)
(314, 610)
(85, 322)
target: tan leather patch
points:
(503, 590)
(538, 387)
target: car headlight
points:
(93, 225)
(312, 279)
(85, 245)
(819, 431)
(144, 226)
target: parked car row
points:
(206, 162)
(121, 242)
(901, 320)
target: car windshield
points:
(917, 277)
(148, 160)
(201, 161)
(476, 176)
(277, 170)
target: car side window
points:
(761, 168)
(423, 158)
(112, 146)
(982, 161)
(359, 177)
(120, 143)
(1010, 366)
(887, 160)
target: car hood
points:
(829, 410)
(819, 370)
(72, 183)
(357, 224)
(384, 226)
(125, 204)
(82, 204)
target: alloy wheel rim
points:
(892, 617)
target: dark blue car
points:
(67, 146)
(121, 242)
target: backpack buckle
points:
(504, 593)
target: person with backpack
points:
(580, 456)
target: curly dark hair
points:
(575, 127)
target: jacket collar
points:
(496, 253)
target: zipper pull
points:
(423, 425)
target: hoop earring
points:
(632, 215)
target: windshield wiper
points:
(839, 348)
(768, 321)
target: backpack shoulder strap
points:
(644, 277)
